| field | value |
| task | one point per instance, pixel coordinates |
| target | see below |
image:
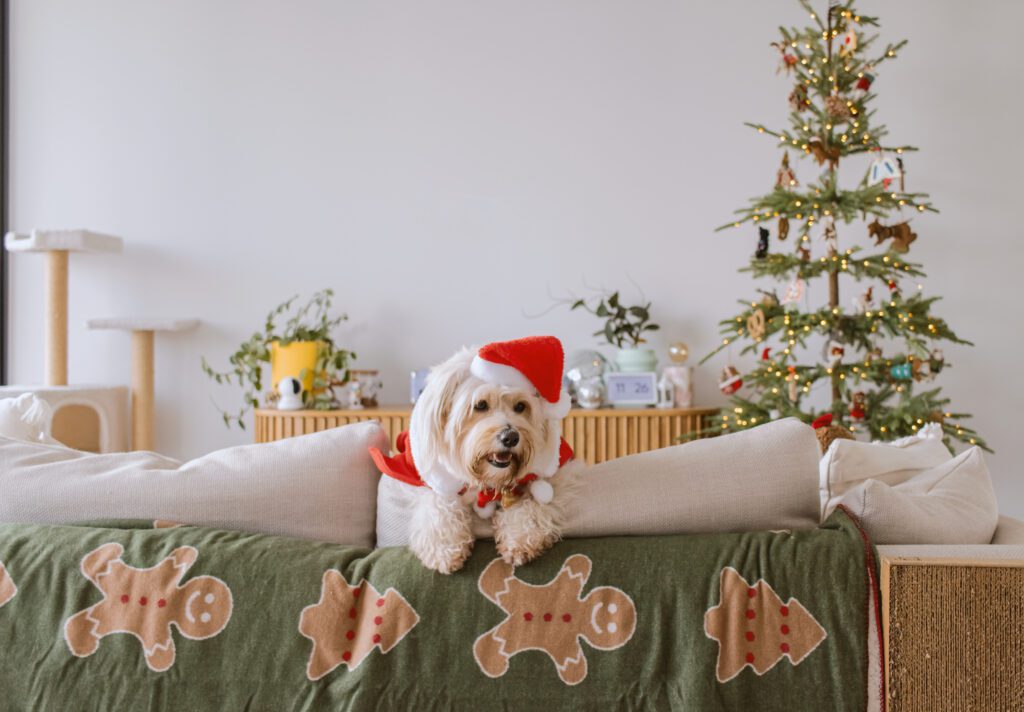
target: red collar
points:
(403, 469)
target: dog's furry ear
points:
(429, 421)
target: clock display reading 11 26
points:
(632, 389)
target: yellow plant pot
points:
(292, 360)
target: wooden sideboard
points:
(595, 435)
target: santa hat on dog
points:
(533, 363)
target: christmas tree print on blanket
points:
(348, 622)
(754, 627)
(552, 618)
(7, 587)
(146, 602)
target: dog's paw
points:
(447, 560)
(519, 550)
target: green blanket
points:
(132, 616)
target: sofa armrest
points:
(1009, 531)
(952, 623)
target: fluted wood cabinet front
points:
(595, 435)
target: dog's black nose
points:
(509, 437)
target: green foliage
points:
(310, 322)
(831, 119)
(624, 326)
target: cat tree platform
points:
(58, 244)
(143, 330)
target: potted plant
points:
(302, 347)
(624, 328)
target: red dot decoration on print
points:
(528, 616)
(747, 624)
(143, 601)
(345, 626)
(567, 617)
(161, 603)
(125, 598)
(547, 617)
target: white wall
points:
(443, 165)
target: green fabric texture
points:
(259, 659)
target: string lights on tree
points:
(881, 354)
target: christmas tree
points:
(879, 347)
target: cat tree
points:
(90, 417)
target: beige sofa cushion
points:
(849, 463)
(953, 503)
(321, 486)
(763, 478)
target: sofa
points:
(705, 576)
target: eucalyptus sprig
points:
(624, 325)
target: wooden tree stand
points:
(143, 331)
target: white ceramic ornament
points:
(290, 391)
(795, 291)
(883, 170)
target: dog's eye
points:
(481, 406)
(520, 407)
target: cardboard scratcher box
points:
(953, 626)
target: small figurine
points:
(762, 243)
(355, 395)
(290, 392)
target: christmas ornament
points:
(795, 291)
(821, 152)
(785, 177)
(762, 243)
(582, 366)
(774, 414)
(798, 100)
(893, 287)
(902, 371)
(848, 45)
(936, 362)
(859, 405)
(590, 393)
(864, 82)
(755, 325)
(769, 299)
(678, 352)
(834, 352)
(828, 433)
(783, 227)
(837, 107)
(794, 383)
(764, 354)
(787, 60)
(730, 381)
(829, 235)
(884, 170)
(678, 384)
(900, 234)
(865, 302)
(805, 254)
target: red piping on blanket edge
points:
(874, 597)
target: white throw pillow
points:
(763, 478)
(849, 463)
(952, 503)
(321, 486)
(26, 417)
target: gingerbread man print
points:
(348, 622)
(552, 618)
(146, 602)
(7, 587)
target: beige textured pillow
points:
(763, 478)
(321, 486)
(953, 503)
(849, 463)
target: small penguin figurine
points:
(290, 392)
(762, 243)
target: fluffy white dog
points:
(485, 436)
